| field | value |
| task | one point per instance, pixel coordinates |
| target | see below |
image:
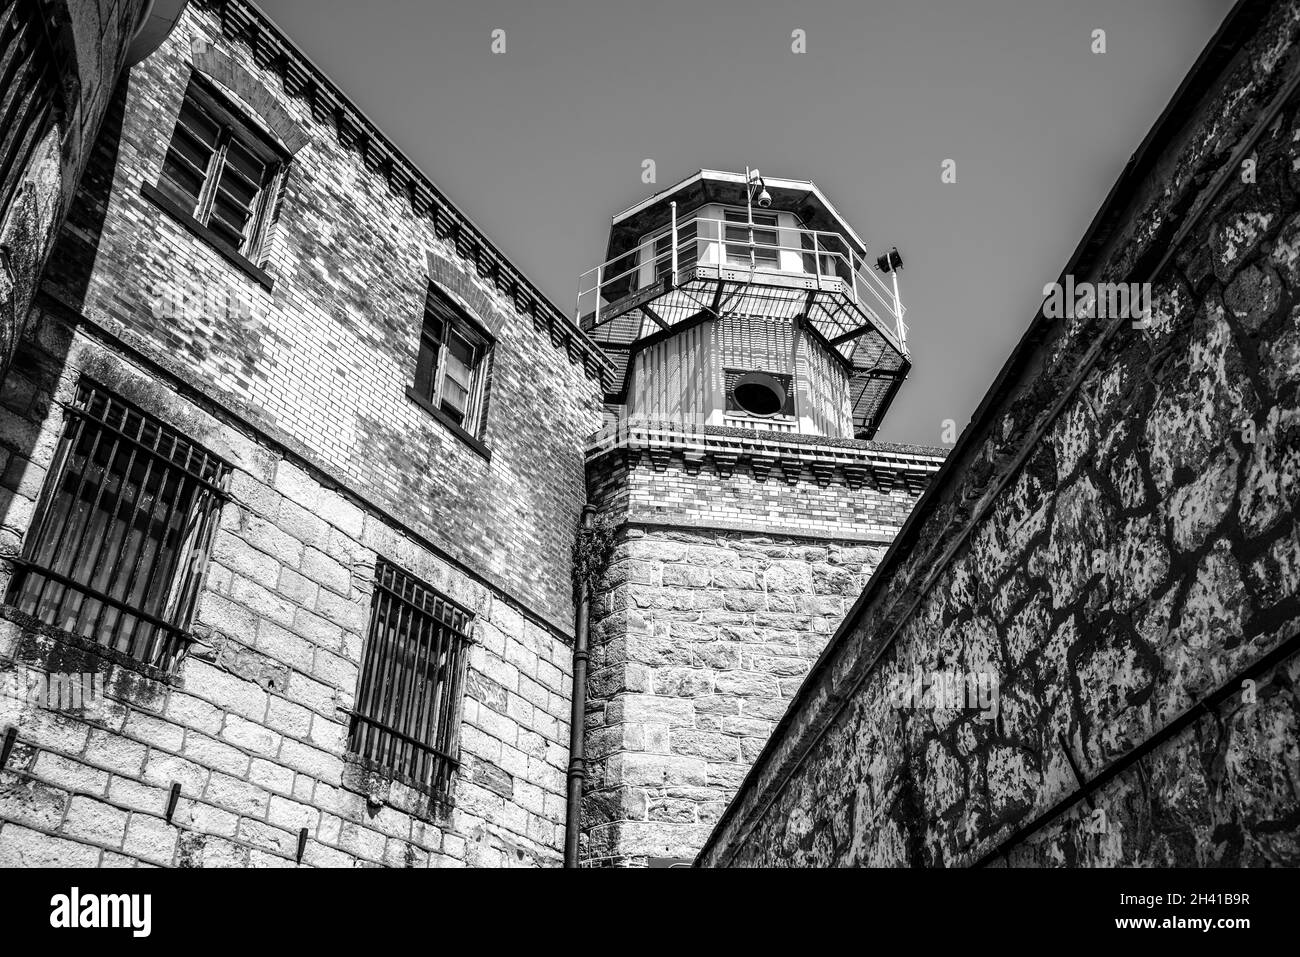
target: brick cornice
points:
(242, 22)
(797, 457)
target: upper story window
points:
(762, 246)
(120, 539)
(407, 712)
(222, 171)
(451, 370)
(688, 252)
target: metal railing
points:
(819, 257)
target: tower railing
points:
(816, 258)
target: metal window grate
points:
(120, 539)
(408, 699)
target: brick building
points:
(292, 468)
(294, 461)
(319, 522)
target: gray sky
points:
(541, 145)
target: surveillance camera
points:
(764, 199)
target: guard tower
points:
(757, 352)
(730, 299)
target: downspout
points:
(577, 717)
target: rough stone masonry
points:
(1114, 537)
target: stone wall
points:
(728, 574)
(84, 45)
(1114, 537)
(253, 725)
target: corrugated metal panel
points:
(823, 390)
(683, 378)
(674, 379)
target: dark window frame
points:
(99, 593)
(410, 689)
(442, 376)
(234, 139)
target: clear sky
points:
(542, 144)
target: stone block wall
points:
(726, 579)
(253, 724)
(1115, 538)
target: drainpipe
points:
(577, 717)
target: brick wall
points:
(1115, 538)
(295, 370)
(322, 359)
(253, 725)
(730, 571)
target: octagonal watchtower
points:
(733, 300)
(757, 353)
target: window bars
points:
(120, 539)
(407, 713)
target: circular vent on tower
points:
(759, 393)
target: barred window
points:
(407, 713)
(222, 171)
(120, 539)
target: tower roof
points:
(799, 196)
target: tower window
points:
(759, 393)
(687, 249)
(451, 370)
(764, 242)
(117, 548)
(407, 713)
(222, 171)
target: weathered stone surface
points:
(688, 688)
(1144, 555)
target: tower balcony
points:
(703, 268)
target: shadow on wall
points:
(38, 355)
